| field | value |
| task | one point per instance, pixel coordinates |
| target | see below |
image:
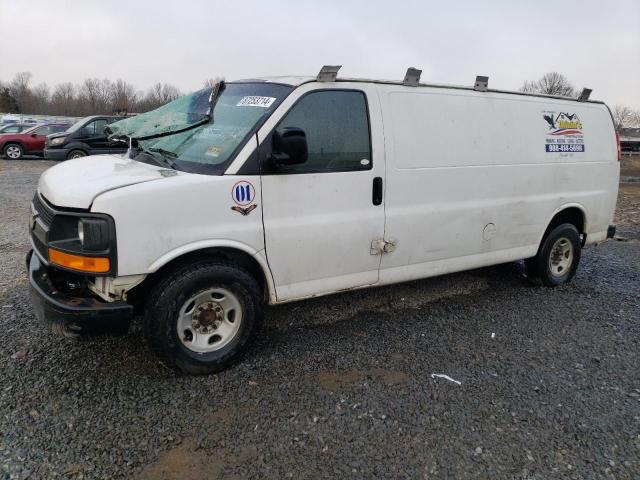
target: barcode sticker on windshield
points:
(254, 101)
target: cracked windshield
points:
(181, 134)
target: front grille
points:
(43, 210)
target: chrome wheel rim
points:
(77, 155)
(209, 320)
(13, 152)
(561, 257)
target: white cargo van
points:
(273, 190)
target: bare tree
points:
(552, 83)
(63, 99)
(160, 94)
(123, 96)
(92, 97)
(41, 98)
(623, 117)
(95, 96)
(21, 91)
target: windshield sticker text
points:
(564, 133)
(213, 151)
(256, 101)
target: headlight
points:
(57, 141)
(93, 234)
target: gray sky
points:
(595, 43)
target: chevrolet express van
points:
(274, 190)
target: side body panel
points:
(159, 221)
(319, 226)
(470, 183)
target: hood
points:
(76, 183)
(59, 134)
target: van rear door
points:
(320, 217)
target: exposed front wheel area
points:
(76, 154)
(201, 318)
(209, 320)
(13, 151)
(558, 256)
(561, 257)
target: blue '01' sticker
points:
(243, 193)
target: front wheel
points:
(202, 318)
(13, 151)
(558, 256)
(76, 154)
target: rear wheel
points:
(13, 151)
(76, 154)
(202, 318)
(558, 256)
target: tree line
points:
(93, 96)
(102, 96)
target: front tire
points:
(13, 151)
(558, 256)
(76, 154)
(202, 318)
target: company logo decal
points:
(243, 194)
(564, 134)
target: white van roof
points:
(297, 80)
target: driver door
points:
(320, 217)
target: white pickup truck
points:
(279, 189)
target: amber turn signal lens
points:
(80, 263)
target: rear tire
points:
(76, 154)
(558, 256)
(13, 151)
(202, 318)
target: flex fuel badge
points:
(243, 194)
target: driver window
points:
(42, 131)
(89, 128)
(336, 126)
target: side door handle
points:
(376, 196)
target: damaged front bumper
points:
(70, 308)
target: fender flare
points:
(257, 255)
(12, 142)
(564, 206)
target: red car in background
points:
(29, 142)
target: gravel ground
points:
(341, 386)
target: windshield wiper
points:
(166, 156)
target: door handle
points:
(376, 197)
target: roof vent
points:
(412, 77)
(328, 73)
(482, 84)
(584, 95)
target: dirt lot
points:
(341, 387)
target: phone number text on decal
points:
(564, 148)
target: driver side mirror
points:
(289, 146)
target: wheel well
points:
(12, 142)
(138, 294)
(572, 215)
(77, 149)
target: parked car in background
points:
(14, 128)
(85, 137)
(28, 142)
